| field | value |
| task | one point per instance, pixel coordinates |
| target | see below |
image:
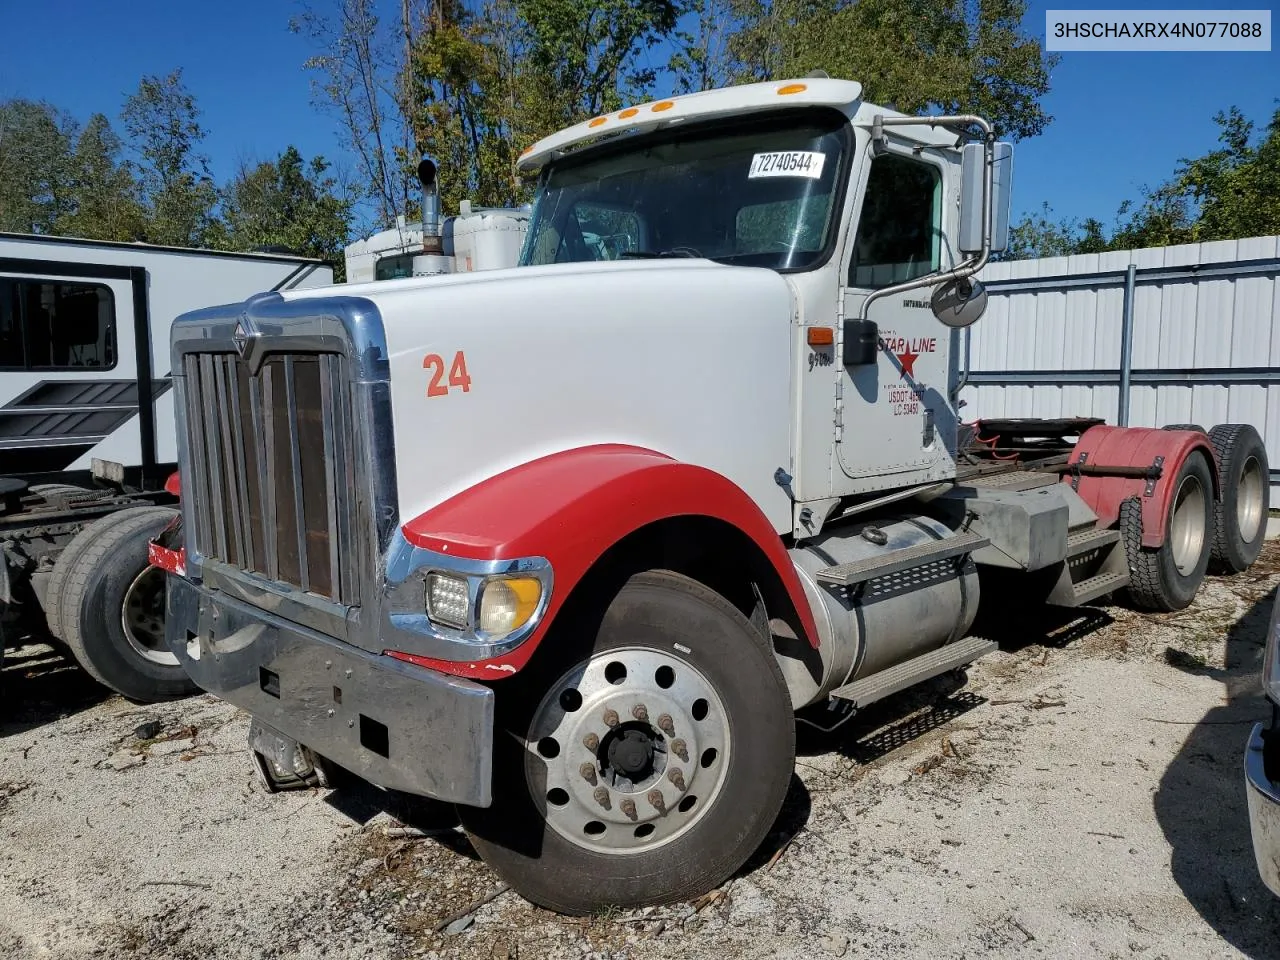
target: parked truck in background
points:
(571, 545)
(87, 438)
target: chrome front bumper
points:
(397, 725)
(1264, 810)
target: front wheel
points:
(645, 767)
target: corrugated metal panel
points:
(1179, 324)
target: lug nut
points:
(611, 718)
(640, 712)
(628, 808)
(591, 742)
(588, 771)
(602, 797)
(666, 726)
(679, 748)
(655, 799)
(676, 777)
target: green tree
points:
(287, 202)
(105, 200)
(163, 124)
(586, 55)
(36, 167)
(910, 55)
(462, 71)
(360, 79)
(1227, 194)
(1039, 235)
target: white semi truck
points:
(571, 545)
(87, 438)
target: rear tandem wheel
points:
(1167, 577)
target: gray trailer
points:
(87, 439)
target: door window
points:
(900, 231)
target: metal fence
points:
(1183, 334)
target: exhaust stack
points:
(432, 260)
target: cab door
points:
(895, 421)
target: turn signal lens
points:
(447, 600)
(507, 603)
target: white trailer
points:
(87, 438)
(478, 238)
(573, 545)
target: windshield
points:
(761, 196)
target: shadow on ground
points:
(360, 801)
(1201, 804)
(40, 685)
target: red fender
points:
(570, 507)
(1136, 447)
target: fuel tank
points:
(877, 624)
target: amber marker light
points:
(821, 336)
(790, 88)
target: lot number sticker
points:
(787, 163)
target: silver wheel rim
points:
(627, 751)
(1249, 500)
(1187, 525)
(142, 616)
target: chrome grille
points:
(271, 466)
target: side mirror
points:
(959, 303)
(972, 160)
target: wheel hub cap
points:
(1187, 526)
(627, 751)
(1249, 497)
(631, 753)
(142, 617)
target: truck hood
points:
(493, 369)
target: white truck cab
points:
(573, 545)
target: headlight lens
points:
(447, 600)
(507, 604)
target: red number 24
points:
(458, 376)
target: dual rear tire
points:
(1202, 532)
(106, 603)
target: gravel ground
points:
(1080, 795)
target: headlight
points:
(447, 600)
(1270, 668)
(507, 603)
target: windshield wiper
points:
(659, 254)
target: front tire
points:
(111, 607)
(646, 761)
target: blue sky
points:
(1120, 119)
